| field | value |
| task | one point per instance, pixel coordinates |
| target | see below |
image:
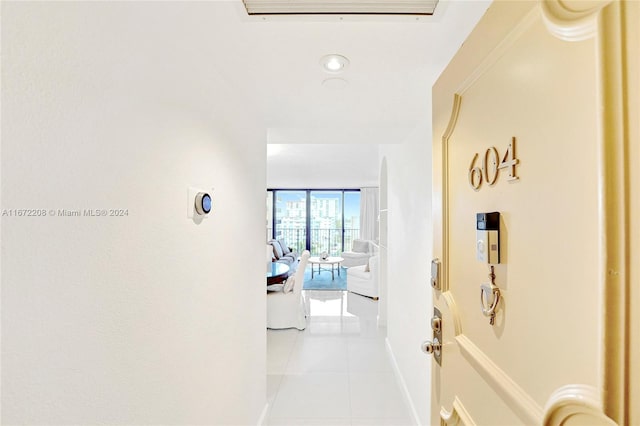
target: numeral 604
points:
(489, 168)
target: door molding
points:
(614, 199)
(457, 416)
(453, 120)
(513, 395)
(573, 400)
(570, 20)
(604, 19)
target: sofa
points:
(284, 254)
(361, 251)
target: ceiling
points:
(210, 59)
(274, 62)
(322, 165)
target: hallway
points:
(335, 372)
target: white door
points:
(527, 124)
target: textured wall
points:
(149, 317)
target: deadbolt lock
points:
(436, 324)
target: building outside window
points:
(317, 220)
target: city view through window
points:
(326, 220)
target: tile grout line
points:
(349, 383)
(350, 343)
(283, 375)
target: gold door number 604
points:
(489, 169)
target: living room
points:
(342, 195)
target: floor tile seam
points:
(273, 401)
(337, 348)
(279, 383)
(281, 362)
(349, 391)
(322, 373)
(284, 376)
(349, 377)
(286, 364)
(374, 373)
(331, 336)
(390, 377)
(295, 372)
(376, 369)
(290, 350)
(293, 345)
(316, 419)
(294, 366)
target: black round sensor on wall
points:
(203, 203)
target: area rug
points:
(323, 281)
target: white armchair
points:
(363, 280)
(286, 309)
(361, 251)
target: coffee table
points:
(334, 262)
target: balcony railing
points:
(296, 238)
(322, 239)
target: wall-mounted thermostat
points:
(488, 237)
(203, 203)
(199, 202)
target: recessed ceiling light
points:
(333, 63)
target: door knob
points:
(432, 347)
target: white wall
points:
(409, 297)
(322, 165)
(148, 318)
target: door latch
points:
(435, 346)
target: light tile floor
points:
(335, 372)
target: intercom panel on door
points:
(488, 237)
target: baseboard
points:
(263, 415)
(403, 385)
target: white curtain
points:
(369, 213)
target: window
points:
(317, 220)
(269, 215)
(351, 218)
(326, 222)
(290, 218)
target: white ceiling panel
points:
(388, 7)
